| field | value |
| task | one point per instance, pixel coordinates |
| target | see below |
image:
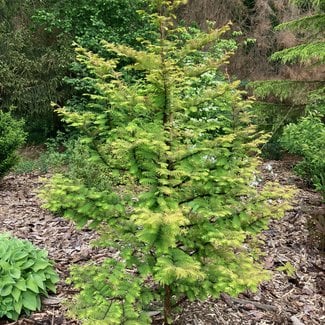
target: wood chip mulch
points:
(286, 299)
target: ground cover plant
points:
(25, 274)
(180, 207)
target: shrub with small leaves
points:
(11, 137)
(307, 139)
(26, 273)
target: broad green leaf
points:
(18, 305)
(16, 293)
(40, 265)
(39, 281)
(6, 290)
(29, 300)
(31, 284)
(15, 273)
(21, 285)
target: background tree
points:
(32, 65)
(36, 53)
(181, 205)
(86, 24)
(12, 137)
(305, 94)
(309, 54)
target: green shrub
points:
(72, 157)
(11, 137)
(307, 139)
(272, 118)
(25, 274)
(54, 157)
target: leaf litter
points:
(294, 295)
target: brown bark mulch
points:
(286, 299)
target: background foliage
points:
(36, 52)
(32, 65)
(300, 96)
(12, 137)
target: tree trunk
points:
(167, 304)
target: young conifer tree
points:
(185, 213)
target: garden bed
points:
(288, 298)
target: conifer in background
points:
(309, 54)
(37, 63)
(32, 66)
(306, 95)
(181, 210)
(12, 137)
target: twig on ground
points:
(230, 300)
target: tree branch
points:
(194, 197)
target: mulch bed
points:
(296, 299)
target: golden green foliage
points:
(184, 151)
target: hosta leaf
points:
(14, 316)
(16, 293)
(6, 290)
(51, 287)
(7, 279)
(38, 280)
(31, 284)
(28, 264)
(54, 278)
(21, 285)
(18, 305)
(15, 273)
(20, 255)
(29, 300)
(40, 265)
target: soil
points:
(296, 298)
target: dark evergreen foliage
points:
(12, 137)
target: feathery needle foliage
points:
(184, 213)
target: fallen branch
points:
(257, 304)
